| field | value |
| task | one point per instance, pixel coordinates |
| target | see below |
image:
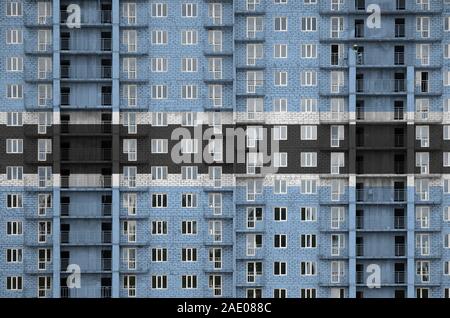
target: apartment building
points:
(350, 98)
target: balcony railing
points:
(380, 86)
(85, 237)
(91, 128)
(95, 181)
(83, 209)
(67, 99)
(399, 222)
(359, 249)
(99, 292)
(80, 154)
(374, 114)
(70, 72)
(380, 195)
(68, 44)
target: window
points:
(254, 26)
(189, 146)
(189, 227)
(337, 135)
(189, 173)
(308, 214)
(159, 37)
(423, 54)
(44, 148)
(280, 51)
(336, 27)
(44, 203)
(129, 229)
(14, 173)
(215, 203)
(14, 64)
(308, 132)
(189, 200)
(279, 214)
(159, 254)
(130, 149)
(14, 91)
(129, 67)
(308, 105)
(446, 159)
(159, 200)
(446, 132)
(423, 271)
(159, 10)
(422, 161)
(189, 10)
(129, 39)
(308, 241)
(308, 78)
(130, 203)
(129, 283)
(337, 217)
(423, 244)
(159, 172)
(255, 79)
(281, 24)
(308, 159)
(280, 241)
(44, 11)
(423, 135)
(337, 162)
(14, 36)
(14, 201)
(280, 133)
(337, 244)
(280, 105)
(423, 26)
(159, 91)
(189, 91)
(307, 293)
(308, 24)
(215, 13)
(337, 189)
(254, 215)
(215, 40)
(189, 64)
(159, 64)
(159, 146)
(189, 37)
(14, 283)
(129, 120)
(189, 281)
(129, 176)
(308, 186)
(337, 81)
(159, 227)
(14, 255)
(308, 51)
(446, 213)
(14, 228)
(423, 216)
(14, 8)
(159, 119)
(129, 12)
(279, 268)
(44, 231)
(447, 240)
(254, 106)
(188, 254)
(281, 78)
(280, 186)
(307, 268)
(254, 53)
(215, 230)
(280, 159)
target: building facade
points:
(123, 122)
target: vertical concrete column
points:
(410, 108)
(56, 222)
(352, 174)
(115, 148)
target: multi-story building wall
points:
(352, 107)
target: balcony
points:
(85, 181)
(98, 128)
(81, 46)
(380, 195)
(83, 155)
(89, 17)
(400, 250)
(88, 265)
(86, 238)
(71, 73)
(371, 225)
(380, 87)
(86, 292)
(72, 100)
(379, 114)
(399, 277)
(83, 210)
